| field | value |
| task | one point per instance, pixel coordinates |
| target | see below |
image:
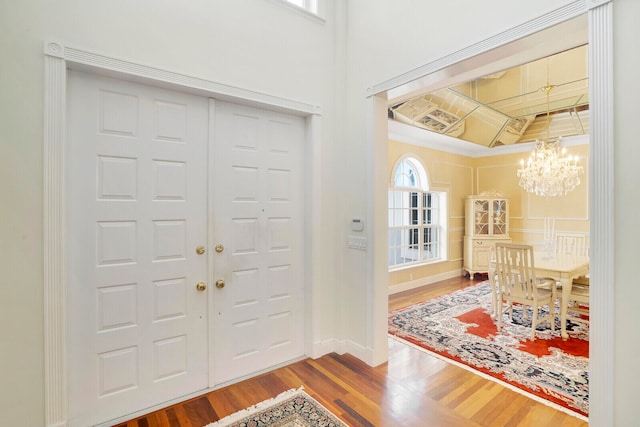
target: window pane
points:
(434, 200)
(405, 175)
(310, 5)
(431, 251)
(414, 216)
(435, 234)
(411, 236)
(394, 237)
(394, 256)
(395, 199)
(415, 230)
(392, 217)
(394, 249)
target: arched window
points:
(417, 217)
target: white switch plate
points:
(357, 242)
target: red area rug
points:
(458, 327)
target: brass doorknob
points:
(219, 283)
(201, 286)
(200, 250)
(219, 248)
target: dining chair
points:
(570, 243)
(517, 284)
(578, 303)
(574, 244)
(492, 275)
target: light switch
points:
(357, 242)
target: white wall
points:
(627, 205)
(257, 45)
(243, 43)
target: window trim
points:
(318, 16)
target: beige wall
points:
(462, 176)
(527, 212)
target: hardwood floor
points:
(411, 389)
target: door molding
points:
(58, 58)
(595, 19)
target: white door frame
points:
(594, 18)
(58, 58)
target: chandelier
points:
(547, 172)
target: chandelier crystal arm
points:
(547, 173)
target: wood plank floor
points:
(411, 389)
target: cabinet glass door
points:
(499, 219)
(481, 212)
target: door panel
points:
(258, 217)
(136, 177)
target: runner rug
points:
(293, 408)
(458, 328)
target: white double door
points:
(152, 175)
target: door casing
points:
(58, 60)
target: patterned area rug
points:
(458, 328)
(293, 408)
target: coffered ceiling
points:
(510, 106)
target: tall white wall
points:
(626, 60)
(258, 45)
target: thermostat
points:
(357, 224)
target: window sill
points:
(416, 264)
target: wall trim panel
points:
(602, 230)
(78, 58)
(55, 355)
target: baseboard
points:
(320, 348)
(355, 349)
(340, 347)
(424, 281)
(358, 351)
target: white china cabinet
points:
(486, 223)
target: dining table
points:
(561, 267)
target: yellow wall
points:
(527, 211)
(452, 173)
(462, 176)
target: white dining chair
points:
(570, 243)
(578, 301)
(517, 284)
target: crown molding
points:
(413, 135)
(77, 58)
